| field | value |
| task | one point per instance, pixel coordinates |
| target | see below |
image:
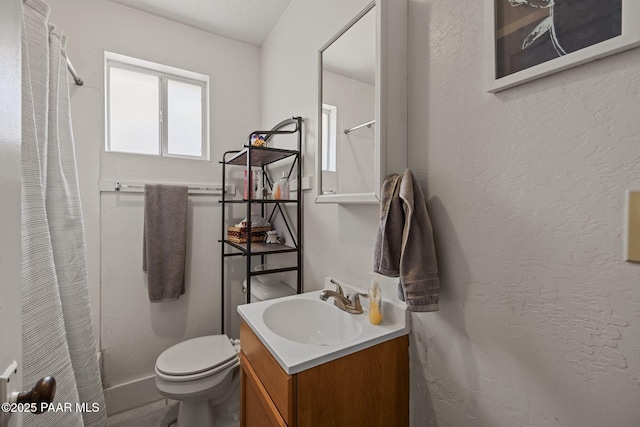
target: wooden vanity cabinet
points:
(369, 387)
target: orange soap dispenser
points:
(375, 303)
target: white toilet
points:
(203, 373)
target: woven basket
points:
(239, 234)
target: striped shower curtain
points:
(58, 335)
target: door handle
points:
(43, 392)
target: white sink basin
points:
(302, 331)
(311, 322)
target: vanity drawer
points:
(257, 407)
(278, 384)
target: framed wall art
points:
(529, 39)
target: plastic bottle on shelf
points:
(284, 186)
(248, 185)
(277, 190)
(258, 188)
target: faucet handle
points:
(338, 287)
(356, 300)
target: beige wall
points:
(539, 314)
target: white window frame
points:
(164, 74)
(329, 141)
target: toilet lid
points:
(271, 290)
(196, 355)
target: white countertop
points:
(295, 357)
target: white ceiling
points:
(248, 21)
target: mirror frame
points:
(390, 99)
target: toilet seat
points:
(185, 378)
(197, 358)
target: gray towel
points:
(404, 246)
(164, 244)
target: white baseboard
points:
(130, 395)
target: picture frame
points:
(530, 39)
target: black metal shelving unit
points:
(263, 157)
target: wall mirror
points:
(362, 100)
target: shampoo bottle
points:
(375, 303)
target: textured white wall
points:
(540, 316)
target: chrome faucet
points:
(341, 301)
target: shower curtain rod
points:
(74, 73)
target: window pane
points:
(133, 112)
(184, 119)
(325, 140)
(329, 137)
